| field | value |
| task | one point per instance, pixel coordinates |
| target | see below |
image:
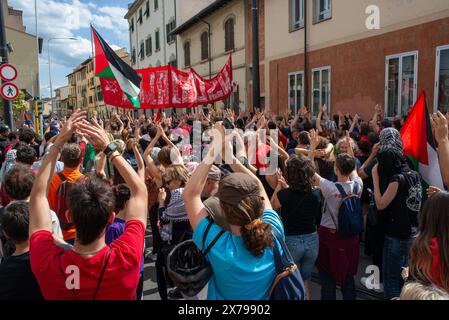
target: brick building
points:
(350, 67)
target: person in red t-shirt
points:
(429, 254)
(91, 270)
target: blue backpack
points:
(288, 284)
(350, 216)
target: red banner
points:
(168, 87)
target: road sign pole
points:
(36, 118)
(4, 53)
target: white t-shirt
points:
(55, 225)
(333, 198)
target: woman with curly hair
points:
(242, 260)
(300, 207)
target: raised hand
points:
(314, 139)
(324, 109)
(440, 126)
(375, 149)
(70, 126)
(95, 134)
(281, 180)
(432, 191)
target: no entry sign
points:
(9, 91)
(8, 72)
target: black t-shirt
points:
(402, 212)
(17, 281)
(8, 246)
(268, 189)
(300, 212)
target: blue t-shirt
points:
(238, 275)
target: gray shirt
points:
(333, 199)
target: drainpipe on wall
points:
(256, 76)
(306, 73)
(176, 39)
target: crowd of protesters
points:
(83, 197)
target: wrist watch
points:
(110, 149)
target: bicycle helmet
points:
(188, 268)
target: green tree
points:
(20, 106)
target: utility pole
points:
(256, 77)
(306, 72)
(39, 115)
(4, 52)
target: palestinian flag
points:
(109, 65)
(419, 144)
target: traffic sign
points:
(9, 91)
(8, 72)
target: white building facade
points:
(150, 23)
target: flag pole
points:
(93, 62)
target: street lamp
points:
(49, 67)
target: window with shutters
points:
(131, 25)
(170, 27)
(148, 46)
(142, 50)
(229, 35)
(157, 40)
(187, 54)
(99, 94)
(156, 5)
(140, 20)
(204, 45)
(133, 56)
(147, 9)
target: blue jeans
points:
(304, 251)
(395, 256)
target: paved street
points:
(151, 293)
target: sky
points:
(71, 19)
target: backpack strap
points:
(209, 247)
(102, 274)
(343, 193)
(341, 190)
(61, 176)
(285, 258)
